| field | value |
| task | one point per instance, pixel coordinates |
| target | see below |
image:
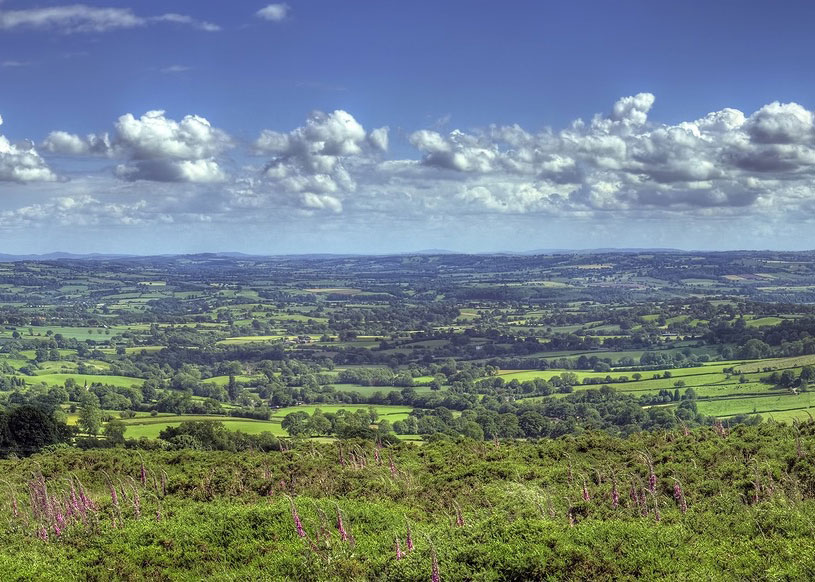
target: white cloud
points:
(156, 148)
(163, 170)
(81, 18)
(621, 164)
(624, 162)
(633, 110)
(779, 123)
(175, 69)
(61, 142)
(153, 135)
(378, 138)
(22, 163)
(274, 12)
(83, 210)
(187, 20)
(321, 202)
(310, 161)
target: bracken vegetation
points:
(711, 503)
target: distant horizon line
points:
(429, 252)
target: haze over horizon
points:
(319, 127)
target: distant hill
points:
(598, 251)
(6, 258)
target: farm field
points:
(82, 379)
(151, 427)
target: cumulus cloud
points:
(624, 162)
(80, 18)
(621, 163)
(61, 142)
(310, 161)
(273, 12)
(22, 163)
(156, 148)
(154, 135)
(781, 123)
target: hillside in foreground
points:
(711, 503)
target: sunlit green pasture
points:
(387, 411)
(137, 428)
(224, 380)
(760, 405)
(81, 379)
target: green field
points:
(224, 380)
(389, 412)
(148, 426)
(152, 426)
(760, 405)
(82, 379)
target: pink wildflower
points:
(136, 503)
(114, 498)
(393, 467)
(399, 553)
(409, 539)
(459, 517)
(435, 576)
(615, 496)
(652, 482)
(143, 474)
(586, 496)
(42, 533)
(341, 527)
(87, 503)
(297, 523)
(680, 497)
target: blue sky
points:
(324, 126)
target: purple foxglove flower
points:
(297, 523)
(341, 527)
(435, 576)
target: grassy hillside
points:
(723, 506)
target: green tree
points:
(26, 429)
(318, 424)
(90, 414)
(296, 423)
(114, 432)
